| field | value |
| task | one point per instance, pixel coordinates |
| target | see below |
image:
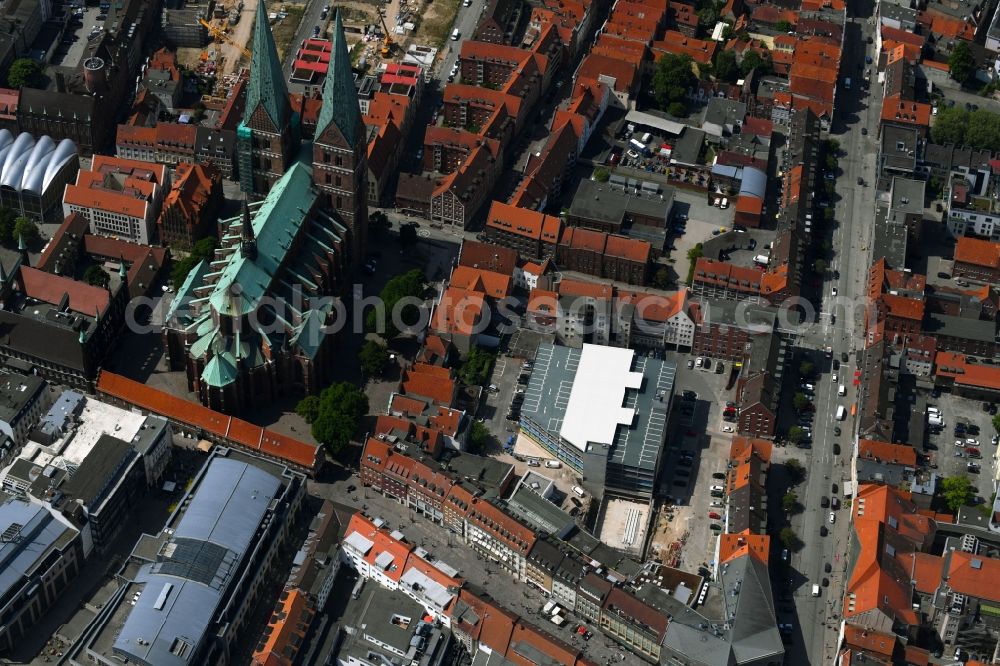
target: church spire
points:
(267, 82)
(340, 97)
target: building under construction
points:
(183, 27)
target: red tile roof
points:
(486, 282)
(901, 454)
(977, 252)
(524, 222)
(721, 273)
(902, 307)
(257, 439)
(573, 287)
(974, 575)
(957, 367)
(869, 640)
(286, 630)
(899, 110)
(700, 50)
(487, 256)
(429, 381)
(594, 66)
(734, 546)
(49, 288)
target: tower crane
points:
(387, 42)
(223, 37)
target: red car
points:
(973, 452)
(713, 515)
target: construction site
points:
(376, 32)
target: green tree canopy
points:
(308, 408)
(796, 472)
(996, 423)
(407, 234)
(95, 275)
(203, 249)
(790, 502)
(807, 368)
(601, 175)
(782, 26)
(379, 222)
(373, 357)
(27, 229)
(961, 63)
(341, 408)
(407, 285)
(819, 265)
(800, 402)
(24, 72)
(795, 433)
(789, 539)
(7, 219)
(475, 370)
(754, 60)
(672, 80)
(950, 125)
(693, 255)
(956, 492)
(479, 435)
(661, 278)
(726, 68)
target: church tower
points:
(340, 150)
(267, 139)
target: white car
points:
(716, 504)
(717, 489)
(833, 517)
(727, 428)
(700, 361)
(833, 291)
(835, 378)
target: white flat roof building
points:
(595, 409)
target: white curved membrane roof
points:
(30, 166)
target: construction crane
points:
(220, 36)
(387, 43)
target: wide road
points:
(852, 245)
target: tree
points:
(677, 109)
(475, 370)
(601, 175)
(831, 163)
(97, 276)
(795, 434)
(203, 250)
(782, 26)
(479, 434)
(693, 255)
(800, 402)
(796, 472)
(373, 357)
(961, 63)
(996, 423)
(7, 219)
(341, 408)
(308, 408)
(25, 228)
(407, 235)
(819, 266)
(726, 68)
(833, 146)
(24, 73)
(806, 369)
(407, 285)
(754, 60)
(672, 80)
(378, 222)
(956, 492)
(789, 538)
(661, 279)
(790, 502)
(950, 125)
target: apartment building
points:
(533, 234)
(977, 259)
(191, 206)
(120, 198)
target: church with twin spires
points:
(252, 325)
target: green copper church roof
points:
(267, 82)
(275, 225)
(340, 97)
(220, 370)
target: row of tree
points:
(977, 129)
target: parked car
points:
(833, 517)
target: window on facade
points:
(340, 160)
(340, 203)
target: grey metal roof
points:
(654, 122)
(538, 512)
(907, 195)
(39, 532)
(17, 391)
(547, 398)
(687, 149)
(168, 624)
(754, 182)
(607, 203)
(960, 327)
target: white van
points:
(455, 34)
(578, 490)
(841, 412)
(646, 137)
(815, 590)
(841, 390)
(553, 464)
(725, 203)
